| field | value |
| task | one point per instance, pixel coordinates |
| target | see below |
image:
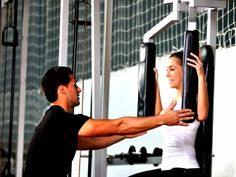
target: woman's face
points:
(174, 73)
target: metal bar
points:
(63, 39)
(96, 106)
(212, 28)
(123, 161)
(207, 3)
(100, 155)
(106, 57)
(192, 20)
(22, 99)
(9, 155)
(96, 101)
(82, 22)
(100, 169)
(75, 41)
(162, 25)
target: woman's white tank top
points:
(179, 145)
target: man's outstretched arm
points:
(133, 125)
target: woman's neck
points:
(178, 94)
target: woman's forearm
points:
(202, 99)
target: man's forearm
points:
(93, 143)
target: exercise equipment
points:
(205, 131)
(157, 152)
(76, 22)
(133, 157)
(13, 42)
(146, 80)
(9, 31)
(130, 156)
(143, 155)
(190, 78)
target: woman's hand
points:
(202, 96)
(156, 73)
(197, 64)
(169, 107)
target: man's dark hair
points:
(55, 76)
(179, 55)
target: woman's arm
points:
(158, 104)
(202, 97)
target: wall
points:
(224, 162)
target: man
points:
(60, 132)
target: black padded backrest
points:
(204, 135)
(190, 82)
(146, 80)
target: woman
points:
(179, 156)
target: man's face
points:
(73, 92)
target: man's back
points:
(53, 144)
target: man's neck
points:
(63, 106)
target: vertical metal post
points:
(15, 44)
(106, 56)
(63, 39)
(100, 155)
(208, 126)
(96, 97)
(75, 41)
(96, 66)
(192, 20)
(23, 71)
(212, 28)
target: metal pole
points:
(212, 28)
(15, 43)
(63, 43)
(22, 97)
(96, 101)
(75, 37)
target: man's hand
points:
(176, 117)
